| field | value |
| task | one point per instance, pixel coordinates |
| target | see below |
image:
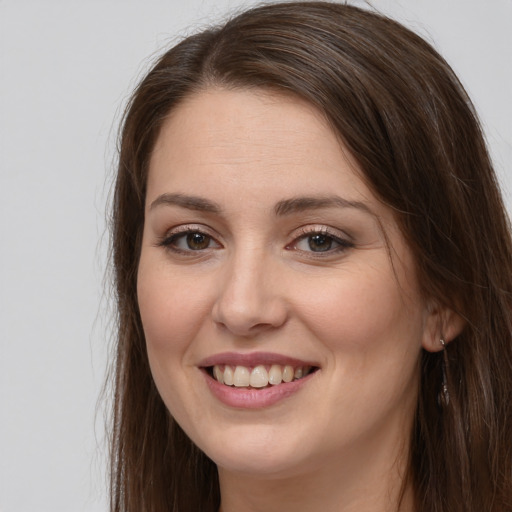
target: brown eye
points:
(197, 241)
(320, 243)
(189, 241)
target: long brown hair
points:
(402, 113)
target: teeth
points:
(275, 375)
(288, 373)
(241, 377)
(259, 376)
(228, 376)
(218, 374)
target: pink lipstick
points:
(255, 380)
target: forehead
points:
(252, 137)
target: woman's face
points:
(266, 258)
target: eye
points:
(189, 240)
(317, 243)
(194, 241)
(320, 241)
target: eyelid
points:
(323, 229)
(341, 238)
(182, 230)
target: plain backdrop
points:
(66, 70)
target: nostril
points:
(246, 307)
(244, 328)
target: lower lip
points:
(250, 398)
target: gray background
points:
(66, 69)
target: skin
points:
(340, 442)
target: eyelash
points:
(308, 233)
(169, 241)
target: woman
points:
(312, 262)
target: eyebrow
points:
(282, 208)
(299, 204)
(185, 201)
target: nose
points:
(249, 299)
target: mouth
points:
(259, 376)
(256, 380)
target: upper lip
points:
(253, 359)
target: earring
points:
(443, 398)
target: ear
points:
(440, 323)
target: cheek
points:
(169, 313)
(372, 328)
(372, 335)
(169, 308)
(358, 310)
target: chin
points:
(260, 451)
(259, 465)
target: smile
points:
(256, 380)
(260, 376)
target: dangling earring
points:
(443, 398)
